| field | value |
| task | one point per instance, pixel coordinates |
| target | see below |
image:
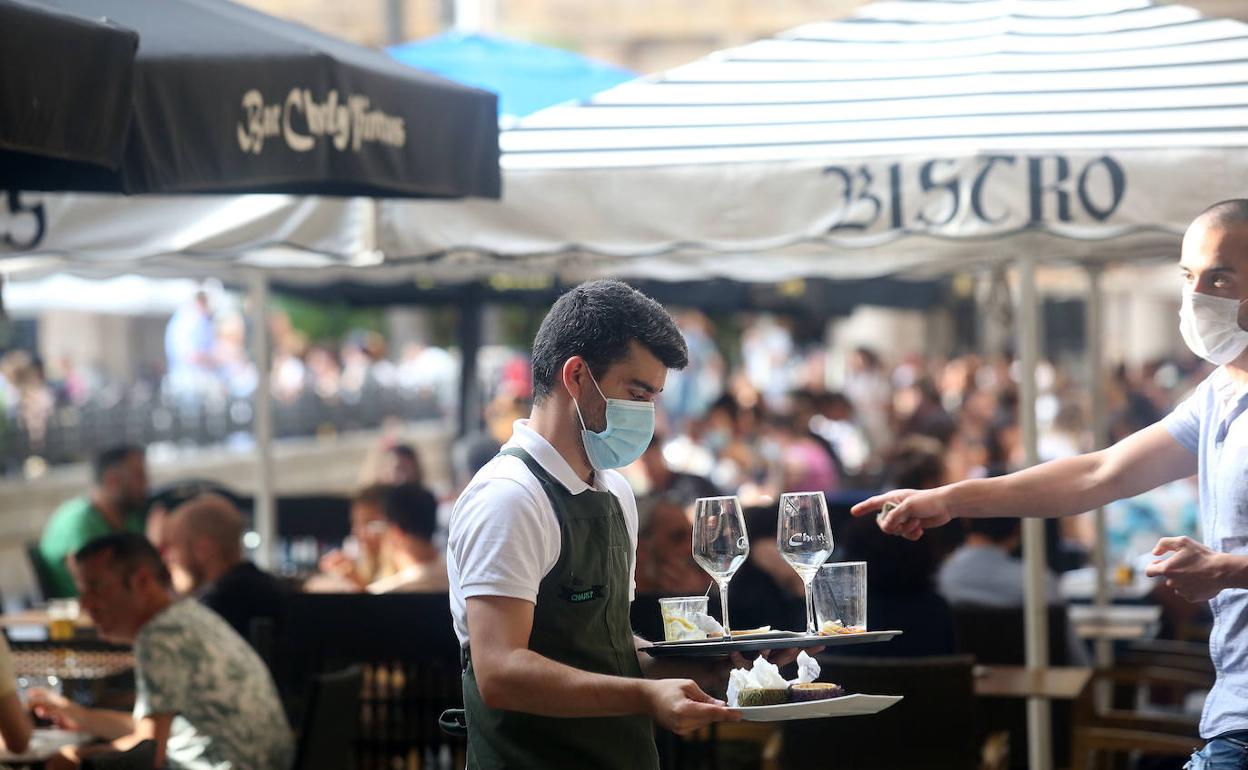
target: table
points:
(1080, 585)
(71, 664)
(39, 618)
(1115, 622)
(1054, 683)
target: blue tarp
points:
(527, 77)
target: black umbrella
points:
(227, 99)
(65, 90)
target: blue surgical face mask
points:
(630, 426)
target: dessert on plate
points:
(762, 684)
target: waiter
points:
(542, 551)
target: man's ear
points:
(572, 375)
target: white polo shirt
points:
(504, 536)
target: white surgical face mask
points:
(1210, 327)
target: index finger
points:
(870, 505)
(1167, 544)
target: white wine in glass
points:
(720, 543)
(804, 537)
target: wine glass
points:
(720, 544)
(805, 540)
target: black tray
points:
(716, 648)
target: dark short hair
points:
(129, 551)
(917, 462)
(998, 530)
(413, 509)
(111, 458)
(405, 451)
(597, 321)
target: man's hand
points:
(337, 563)
(907, 512)
(680, 706)
(1195, 571)
(58, 709)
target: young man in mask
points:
(1206, 434)
(542, 548)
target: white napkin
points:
(707, 623)
(764, 675)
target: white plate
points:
(844, 706)
(44, 743)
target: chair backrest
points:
(331, 723)
(995, 635)
(407, 648)
(933, 728)
(43, 576)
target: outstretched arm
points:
(1140, 462)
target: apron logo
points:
(582, 595)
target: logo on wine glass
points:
(798, 539)
(743, 543)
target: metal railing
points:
(147, 417)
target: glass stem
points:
(810, 606)
(723, 606)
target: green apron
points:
(581, 620)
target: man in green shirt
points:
(116, 503)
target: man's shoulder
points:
(72, 520)
(72, 511)
(503, 479)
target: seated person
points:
(360, 561)
(400, 465)
(984, 572)
(411, 513)
(15, 726)
(116, 503)
(203, 547)
(665, 564)
(766, 591)
(203, 697)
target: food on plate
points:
(808, 691)
(836, 628)
(756, 696)
(748, 631)
(762, 685)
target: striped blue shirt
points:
(1208, 424)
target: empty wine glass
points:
(720, 544)
(805, 540)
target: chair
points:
(406, 646)
(995, 635)
(933, 728)
(1114, 728)
(331, 723)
